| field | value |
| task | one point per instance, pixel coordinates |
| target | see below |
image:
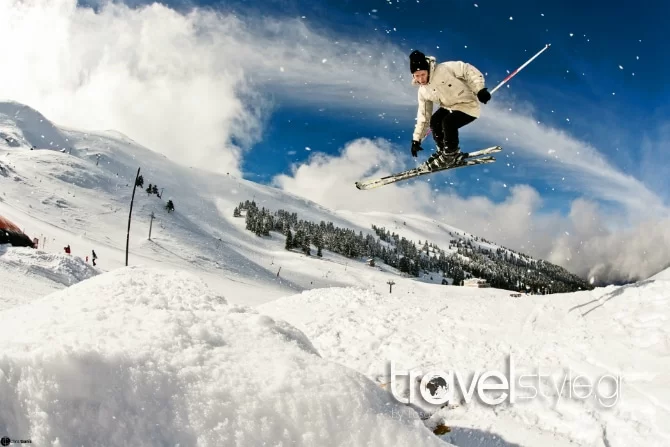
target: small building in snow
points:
(475, 282)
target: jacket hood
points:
(433, 62)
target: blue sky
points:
(245, 87)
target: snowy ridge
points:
(145, 357)
(24, 127)
(421, 228)
(424, 229)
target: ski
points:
(470, 160)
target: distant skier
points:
(93, 257)
(456, 87)
(67, 249)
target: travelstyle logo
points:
(495, 387)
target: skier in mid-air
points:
(456, 87)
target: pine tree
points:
(268, 224)
(459, 276)
(289, 240)
(236, 212)
(415, 268)
(403, 265)
(306, 245)
(317, 240)
(250, 221)
(298, 238)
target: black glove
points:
(483, 95)
(416, 147)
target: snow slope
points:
(81, 197)
(145, 357)
(619, 334)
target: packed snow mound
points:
(24, 127)
(149, 357)
(615, 340)
(61, 268)
(27, 274)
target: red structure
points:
(12, 234)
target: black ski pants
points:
(444, 125)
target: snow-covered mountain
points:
(199, 222)
(215, 336)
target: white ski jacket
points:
(452, 85)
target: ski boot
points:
(445, 157)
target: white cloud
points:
(548, 152)
(184, 84)
(154, 74)
(329, 179)
(608, 254)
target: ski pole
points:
(511, 75)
